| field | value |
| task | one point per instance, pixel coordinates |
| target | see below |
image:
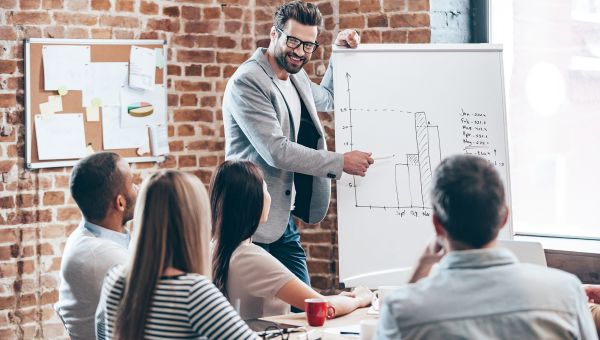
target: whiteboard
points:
(412, 105)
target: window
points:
(552, 70)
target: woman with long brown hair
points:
(165, 290)
(245, 272)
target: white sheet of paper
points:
(159, 139)
(160, 58)
(60, 136)
(47, 109)
(64, 66)
(115, 137)
(155, 96)
(142, 67)
(56, 103)
(104, 81)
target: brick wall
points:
(207, 39)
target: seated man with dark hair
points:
(480, 291)
(102, 186)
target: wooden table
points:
(299, 319)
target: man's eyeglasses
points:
(294, 43)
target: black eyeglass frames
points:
(294, 43)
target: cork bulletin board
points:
(101, 50)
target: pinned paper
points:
(115, 137)
(159, 139)
(47, 109)
(160, 59)
(92, 113)
(103, 81)
(56, 103)
(97, 102)
(64, 66)
(143, 107)
(142, 68)
(62, 91)
(60, 136)
(89, 149)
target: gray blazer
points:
(259, 127)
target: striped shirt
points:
(188, 306)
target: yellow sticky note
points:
(56, 102)
(97, 102)
(47, 109)
(63, 90)
(89, 149)
(93, 113)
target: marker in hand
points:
(380, 158)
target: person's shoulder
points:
(549, 275)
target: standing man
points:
(102, 186)
(270, 114)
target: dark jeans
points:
(290, 253)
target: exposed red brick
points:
(184, 85)
(370, 6)
(172, 11)
(191, 13)
(394, 5)
(119, 21)
(352, 21)
(188, 99)
(125, 5)
(185, 130)
(198, 56)
(195, 115)
(101, 5)
(75, 19)
(211, 13)
(148, 7)
(418, 5)
(231, 57)
(29, 18)
(187, 161)
(52, 4)
(54, 198)
(8, 66)
(410, 20)
(7, 33)
(193, 70)
(377, 20)
(419, 36)
(29, 4)
(164, 25)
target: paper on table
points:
(104, 81)
(132, 97)
(142, 67)
(64, 66)
(60, 136)
(92, 113)
(159, 139)
(115, 137)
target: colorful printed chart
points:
(140, 109)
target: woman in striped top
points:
(165, 291)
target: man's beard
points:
(280, 56)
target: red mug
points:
(317, 311)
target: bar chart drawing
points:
(404, 179)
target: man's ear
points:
(439, 228)
(273, 34)
(120, 203)
(505, 211)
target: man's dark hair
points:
(468, 199)
(95, 181)
(304, 13)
